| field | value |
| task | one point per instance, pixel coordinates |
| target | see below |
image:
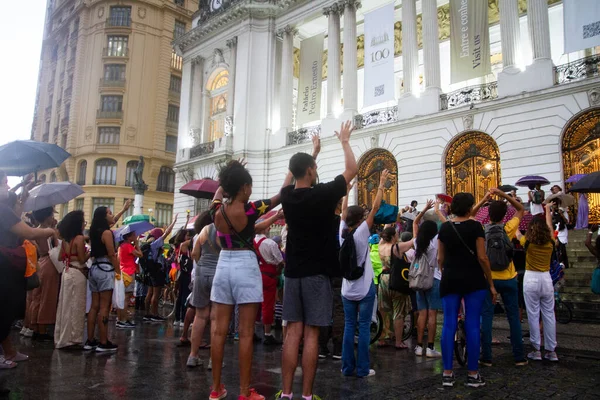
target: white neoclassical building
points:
(538, 112)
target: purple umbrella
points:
(575, 178)
(532, 180)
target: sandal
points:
(6, 364)
(204, 346)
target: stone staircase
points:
(585, 304)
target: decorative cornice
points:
(351, 4)
(232, 42)
(288, 29)
(334, 9)
(197, 60)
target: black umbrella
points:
(588, 184)
(23, 157)
(508, 188)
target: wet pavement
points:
(149, 364)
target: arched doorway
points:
(472, 164)
(370, 167)
(580, 149)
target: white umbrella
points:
(51, 194)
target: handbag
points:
(596, 280)
(387, 214)
(54, 254)
(32, 280)
(399, 273)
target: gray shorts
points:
(203, 284)
(237, 279)
(308, 300)
(101, 276)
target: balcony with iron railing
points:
(174, 95)
(112, 83)
(202, 149)
(101, 114)
(587, 67)
(469, 95)
(118, 22)
(115, 52)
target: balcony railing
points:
(111, 83)
(302, 135)
(176, 62)
(174, 94)
(579, 69)
(113, 52)
(109, 114)
(172, 124)
(120, 22)
(202, 149)
(469, 95)
(376, 117)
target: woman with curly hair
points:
(237, 279)
(537, 284)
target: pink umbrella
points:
(200, 188)
(483, 216)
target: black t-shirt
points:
(8, 219)
(462, 273)
(312, 246)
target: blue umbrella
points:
(575, 178)
(137, 227)
(588, 184)
(51, 194)
(23, 157)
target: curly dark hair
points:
(233, 177)
(71, 225)
(538, 231)
(427, 232)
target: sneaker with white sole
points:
(209, 366)
(107, 347)
(448, 380)
(28, 333)
(432, 353)
(90, 345)
(475, 381)
(418, 351)
(194, 362)
(23, 330)
(535, 355)
(218, 394)
(551, 356)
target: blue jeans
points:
(509, 290)
(473, 306)
(361, 312)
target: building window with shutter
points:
(166, 180)
(106, 172)
(81, 173)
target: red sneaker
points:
(218, 395)
(253, 396)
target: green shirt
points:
(376, 261)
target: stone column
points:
(350, 59)
(410, 55)
(510, 35)
(196, 99)
(539, 29)
(206, 116)
(286, 88)
(431, 46)
(333, 60)
(232, 44)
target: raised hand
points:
(345, 131)
(383, 178)
(127, 204)
(316, 141)
(280, 215)
(430, 204)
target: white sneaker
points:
(535, 355)
(194, 362)
(209, 366)
(551, 356)
(432, 353)
(181, 324)
(22, 333)
(176, 323)
(418, 351)
(28, 333)
(371, 373)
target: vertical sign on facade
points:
(581, 24)
(469, 40)
(311, 79)
(379, 56)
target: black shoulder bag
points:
(242, 239)
(462, 240)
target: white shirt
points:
(269, 250)
(432, 251)
(563, 235)
(358, 289)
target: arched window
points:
(105, 172)
(42, 178)
(218, 105)
(81, 172)
(166, 180)
(53, 177)
(129, 172)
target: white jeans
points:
(539, 297)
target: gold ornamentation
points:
(581, 154)
(472, 165)
(370, 167)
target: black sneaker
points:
(130, 323)
(104, 348)
(121, 325)
(147, 318)
(324, 353)
(270, 340)
(475, 381)
(337, 356)
(448, 381)
(156, 318)
(90, 345)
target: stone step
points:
(584, 289)
(588, 297)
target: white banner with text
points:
(311, 80)
(581, 24)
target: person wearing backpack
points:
(499, 249)
(358, 288)
(536, 199)
(428, 286)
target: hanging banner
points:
(581, 24)
(311, 79)
(379, 56)
(469, 40)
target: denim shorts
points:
(237, 279)
(430, 299)
(102, 275)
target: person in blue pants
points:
(466, 276)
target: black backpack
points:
(498, 247)
(349, 261)
(399, 268)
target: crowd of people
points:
(338, 266)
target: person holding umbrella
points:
(536, 199)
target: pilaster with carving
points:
(232, 45)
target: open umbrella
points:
(51, 194)
(508, 188)
(201, 188)
(566, 200)
(23, 157)
(444, 198)
(532, 180)
(137, 227)
(575, 178)
(138, 218)
(483, 216)
(588, 184)
(279, 222)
